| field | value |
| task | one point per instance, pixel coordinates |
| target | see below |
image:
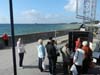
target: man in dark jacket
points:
(51, 51)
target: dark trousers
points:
(52, 65)
(21, 57)
(40, 64)
(6, 42)
(79, 69)
(85, 67)
(66, 67)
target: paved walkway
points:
(30, 60)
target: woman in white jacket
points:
(78, 60)
(21, 51)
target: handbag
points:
(92, 65)
(73, 69)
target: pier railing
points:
(29, 38)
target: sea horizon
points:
(21, 29)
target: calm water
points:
(33, 28)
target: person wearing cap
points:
(88, 57)
(41, 55)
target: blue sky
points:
(41, 11)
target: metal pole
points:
(55, 34)
(76, 8)
(84, 11)
(13, 38)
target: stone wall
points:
(29, 38)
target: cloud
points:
(34, 16)
(30, 13)
(71, 6)
(28, 16)
(4, 19)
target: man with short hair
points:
(51, 51)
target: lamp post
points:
(13, 37)
(55, 34)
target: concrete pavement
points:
(30, 62)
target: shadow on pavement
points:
(59, 68)
(30, 66)
(94, 70)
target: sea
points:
(20, 29)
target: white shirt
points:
(79, 57)
(20, 47)
(82, 29)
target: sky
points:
(42, 11)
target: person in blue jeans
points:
(41, 55)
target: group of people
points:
(52, 54)
(80, 60)
(51, 51)
(82, 57)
